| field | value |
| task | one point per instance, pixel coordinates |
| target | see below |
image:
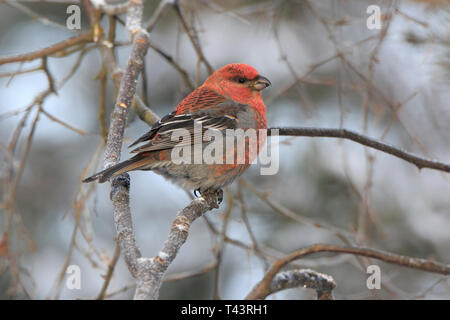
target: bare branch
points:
(147, 272)
(112, 9)
(170, 60)
(305, 278)
(64, 124)
(192, 36)
(120, 195)
(419, 162)
(110, 272)
(163, 5)
(144, 112)
(34, 15)
(263, 288)
(60, 46)
(125, 97)
(151, 271)
(120, 186)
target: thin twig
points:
(110, 272)
(192, 36)
(60, 46)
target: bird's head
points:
(237, 81)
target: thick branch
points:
(147, 272)
(305, 278)
(151, 271)
(125, 97)
(120, 185)
(419, 162)
(263, 288)
(120, 196)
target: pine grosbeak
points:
(229, 99)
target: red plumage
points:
(229, 99)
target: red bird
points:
(229, 99)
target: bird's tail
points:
(134, 163)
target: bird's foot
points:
(219, 195)
(214, 196)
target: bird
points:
(230, 98)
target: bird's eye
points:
(241, 80)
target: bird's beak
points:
(261, 83)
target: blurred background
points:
(327, 69)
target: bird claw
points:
(218, 196)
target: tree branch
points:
(126, 93)
(192, 36)
(151, 271)
(305, 278)
(82, 38)
(120, 186)
(419, 162)
(148, 272)
(263, 288)
(112, 9)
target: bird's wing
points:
(217, 114)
